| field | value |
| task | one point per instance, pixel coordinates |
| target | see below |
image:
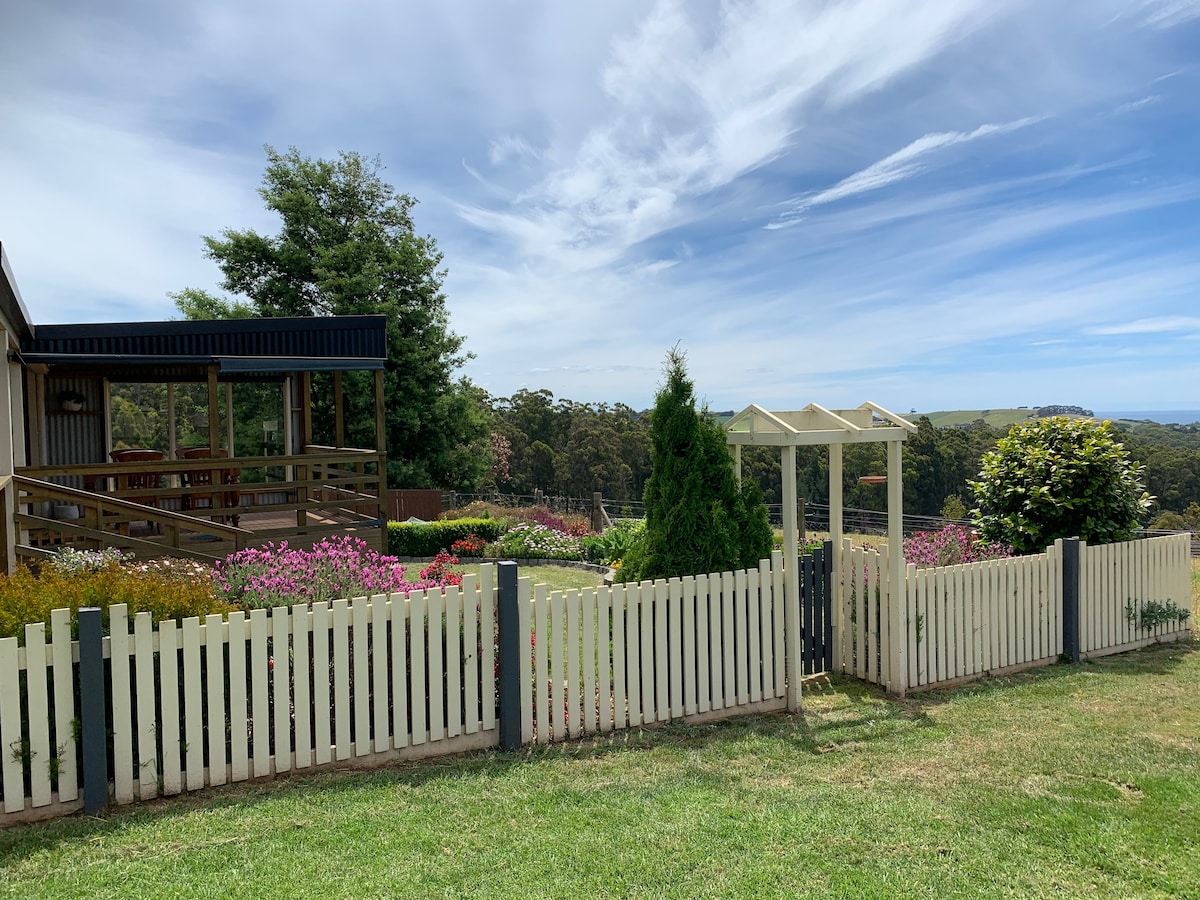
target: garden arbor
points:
(815, 425)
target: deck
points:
(203, 508)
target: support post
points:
(214, 412)
(1070, 593)
(339, 415)
(508, 619)
(92, 734)
(597, 512)
(835, 537)
(791, 580)
(897, 595)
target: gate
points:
(816, 610)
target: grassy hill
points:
(997, 418)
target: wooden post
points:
(303, 473)
(1070, 595)
(597, 512)
(897, 593)
(381, 449)
(508, 620)
(791, 580)
(92, 733)
(229, 418)
(214, 421)
(339, 413)
(835, 536)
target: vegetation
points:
(428, 538)
(698, 519)
(1057, 478)
(167, 588)
(1071, 781)
(347, 245)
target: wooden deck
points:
(154, 509)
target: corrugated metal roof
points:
(245, 347)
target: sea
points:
(1163, 416)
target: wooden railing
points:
(204, 508)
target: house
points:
(65, 482)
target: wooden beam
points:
(381, 446)
(339, 413)
(306, 430)
(214, 422)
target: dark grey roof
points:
(240, 348)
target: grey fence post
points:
(1070, 586)
(93, 736)
(508, 624)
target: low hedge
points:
(424, 539)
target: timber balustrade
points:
(201, 508)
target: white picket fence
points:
(368, 680)
(210, 702)
(1116, 583)
(990, 617)
(693, 648)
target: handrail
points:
(177, 466)
(58, 491)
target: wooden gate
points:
(816, 610)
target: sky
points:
(929, 205)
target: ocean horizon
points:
(1162, 416)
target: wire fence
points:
(815, 515)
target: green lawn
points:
(558, 578)
(1067, 781)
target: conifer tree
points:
(698, 520)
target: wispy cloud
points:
(1137, 104)
(1169, 13)
(905, 163)
(1180, 325)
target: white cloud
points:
(899, 166)
(1181, 325)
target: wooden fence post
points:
(1070, 595)
(508, 620)
(92, 733)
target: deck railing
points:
(201, 508)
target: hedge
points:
(430, 538)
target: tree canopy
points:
(1056, 478)
(347, 246)
(698, 519)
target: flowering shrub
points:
(69, 561)
(93, 578)
(952, 545)
(471, 545)
(532, 541)
(337, 567)
(576, 526)
(439, 570)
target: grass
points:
(1070, 781)
(559, 578)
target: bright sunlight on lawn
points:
(1071, 781)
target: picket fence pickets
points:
(1116, 583)
(976, 619)
(362, 681)
(620, 656)
(972, 619)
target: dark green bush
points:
(430, 538)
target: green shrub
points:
(168, 589)
(1058, 478)
(430, 538)
(614, 543)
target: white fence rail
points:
(699, 647)
(368, 680)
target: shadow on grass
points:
(840, 713)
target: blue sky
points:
(931, 205)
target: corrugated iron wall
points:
(74, 437)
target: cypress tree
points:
(698, 520)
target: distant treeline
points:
(569, 448)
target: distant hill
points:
(1000, 418)
(997, 418)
